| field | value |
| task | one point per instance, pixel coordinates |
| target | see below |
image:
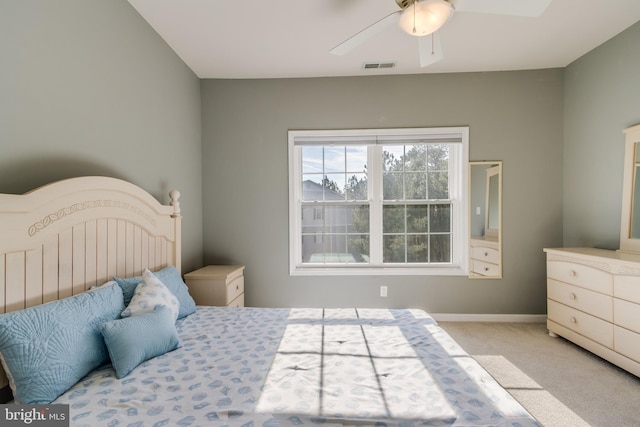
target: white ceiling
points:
(292, 38)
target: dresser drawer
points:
(627, 343)
(484, 268)
(235, 288)
(627, 314)
(627, 288)
(586, 325)
(590, 302)
(581, 275)
(482, 253)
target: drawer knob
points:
(573, 296)
(486, 269)
(237, 287)
(486, 254)
(574, 320)
(573, 273)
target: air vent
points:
(378, 65)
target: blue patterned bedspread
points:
(300, 367)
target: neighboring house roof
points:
(314, 189)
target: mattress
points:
(300, 367)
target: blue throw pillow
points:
(170, 277)
(134, 339)
(48, 348)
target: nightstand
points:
(221, 285)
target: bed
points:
(80, 256)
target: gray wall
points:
(602, 97)
(88, 88)
(513, 116)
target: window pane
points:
(393, 219)
(392, 158)
(415, 186)
(357, 159)
(335, 234)
(440, 218)
(392, 186)
(333, 184)
(438, 185)
(417, 219)
(358, 247)
(311, 244)
(335, 219)
(393, 248)
(359, 219)
(417, 248)
(312, 187)
(438, 157)
(415, 159)
(356, 188)
(312, 160)
(334, 159)
(440, 247)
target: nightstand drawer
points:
(235, 288)
(238, 302)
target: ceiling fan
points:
(422, 18)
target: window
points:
(378, 201)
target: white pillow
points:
(149, 293)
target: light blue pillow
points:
(135, 339)
(48, 348)
(171, 279)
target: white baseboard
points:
(522, 318)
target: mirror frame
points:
(632, 139)
(493, 237)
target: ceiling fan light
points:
(425, 17)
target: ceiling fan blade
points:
(529, 8)
(430, 49)
(366, 34)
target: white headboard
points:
(62, 238)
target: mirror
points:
(630, 221)
(485, 219)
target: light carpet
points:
(548, 410)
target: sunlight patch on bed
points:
(362, 372)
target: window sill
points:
(377, 271)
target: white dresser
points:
(593, 299)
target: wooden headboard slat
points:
(14, 275)
(50, 270)
(33, 278)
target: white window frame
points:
(458, 187)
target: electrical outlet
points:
(383, 291)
